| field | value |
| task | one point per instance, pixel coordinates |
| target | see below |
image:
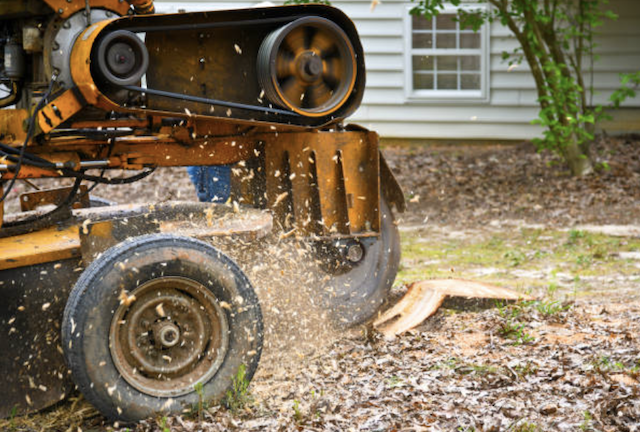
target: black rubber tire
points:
(94, 300)
(357, 295)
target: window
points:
(444, 61)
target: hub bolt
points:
(355, 252)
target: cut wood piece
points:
(424, 298)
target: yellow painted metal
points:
(81, 67)
(324, 183)
(66, 8)
(58, 110)
(38, 247)
(12, 125)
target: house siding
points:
(511, 102)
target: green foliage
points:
(586, 423)
(515, 257)
(515, 330)
(297, 414)
(163, 425)
(629, 83)
(525, 427)
(238, 395)
(550, 308)
(557, 39)
(199, 388)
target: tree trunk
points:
(579, 162)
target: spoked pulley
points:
(308, 66)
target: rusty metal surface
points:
(13, 125)
(66, 8)
(34, 373)
(92, 230)
(390, 187)
(220, 62)
(168, 334)
(57, 111)
(324, 183)
(16, 8)
(31, 200)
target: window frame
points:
(481, 95)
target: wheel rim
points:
(169, 335)
(308, 66)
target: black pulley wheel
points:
(154, 316)
(355, 292)
(121, 58)
(308, 66)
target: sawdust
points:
(286, 279)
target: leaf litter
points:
(524, 366)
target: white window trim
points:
(444, 96)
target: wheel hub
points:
(171, 337)
(309, 66)
(168, 334)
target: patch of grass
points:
(163, 425)
(484, 370)
(524, 370)
(550, 308)
(524, 427)
(516, 331)
(515, 258)
(394, 381)
(605, 364)
(199, 388)
(297, 413)
(577, 236)
(491, 256)
(238, 396)
(586, 424)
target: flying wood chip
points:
(424, 298)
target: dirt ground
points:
(502, 214)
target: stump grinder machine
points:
(126, 301)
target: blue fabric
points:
(213, 183)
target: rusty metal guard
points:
(324, 183)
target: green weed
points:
(297, 414)
(515, 257)
(524, 427)
(238, 395)
(163, 425)
(516, 331)
(586, 423)
(394, 381)
(550, 308)
(199, 388)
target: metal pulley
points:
(121, 58)
(308, 66)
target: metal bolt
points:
(355, 252)
(66, 25)
(55, 46)
(169, 336)
(60, 11)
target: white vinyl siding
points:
(509, 105)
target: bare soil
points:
(568, 363)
